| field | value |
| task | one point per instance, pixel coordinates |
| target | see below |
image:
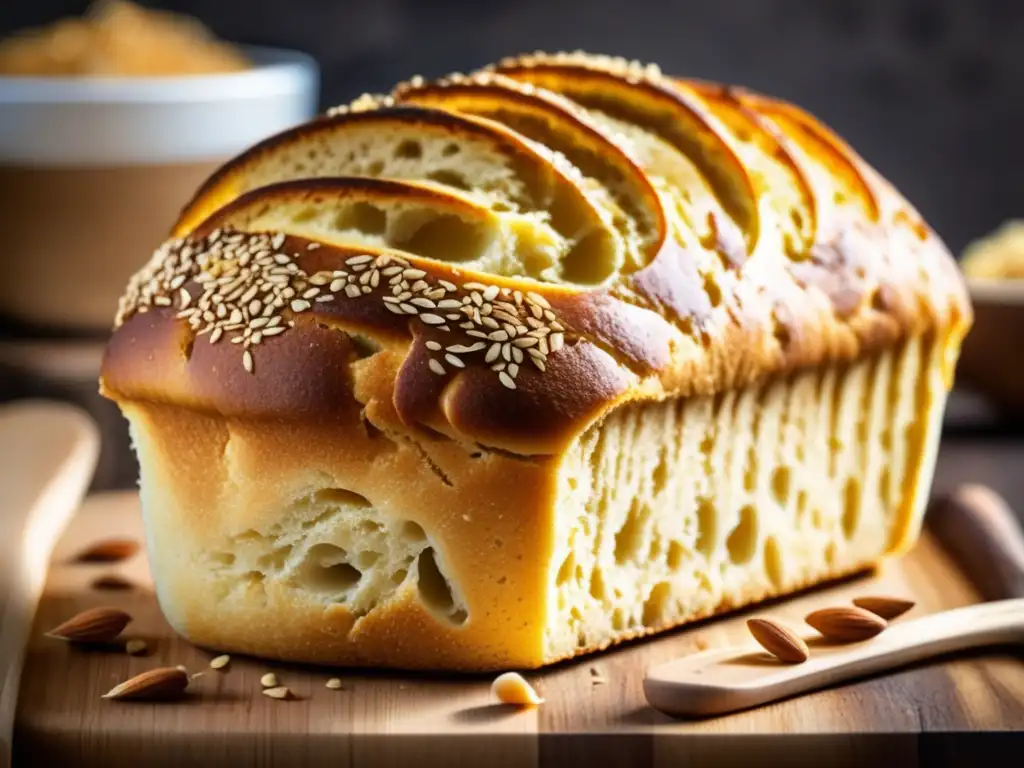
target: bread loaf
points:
(503, 368)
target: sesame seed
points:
(460, 349)
(433, 345)
(436, 367)
(449, 304)
(367, 289)
(162, 301)
(259, 322)
(477, 334)
(325, 298)
(485, 310)
(419, 286)
(357, 260)
(334, 684)
(437, 295)
(498, 336)
(491, 293)
(312, 246)
(184, 297)
(506, 351)
(215, 336)
(374, 279)
(513, 369)
(490, 322)
(389, 271)
(555, 341)
(280, 258)
(277, 240)
(498, 366)
(556, 326)
(525, 341)
(447, 286)
(413, 274)
(269, 680)
(310, 293)
(477, 299)
(492, 353)
(409, 309)
(274, 331)
(517, 354)
(421, 302)
(506, 380)
(431, 319)
(475, 287)
(457, 362)
(542, 345)
(536, 298)
(393, 308)
(352, 291)
(404, 295)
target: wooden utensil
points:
(974, 525)
(49, 453)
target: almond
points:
(886, 607)
(108, 551)
(96, 625)
(111, 581)
(846, 624)
(779, 641)
(152, 685)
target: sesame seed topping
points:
(245, 281)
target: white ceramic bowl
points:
(93, 171)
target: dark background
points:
(929, 91)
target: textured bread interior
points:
(674, 510)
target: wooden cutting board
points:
(393, 719)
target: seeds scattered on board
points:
(135, 647)
(96, 625)
(778, 640)
(334, 684)
(241, 286)
(269, 680)
(278, 692)
(512, 688)
(111, 581)
(887, 608)
(219, 662)
(108, 551)
(152, 685)
(846, 624)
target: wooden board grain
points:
(390, 719)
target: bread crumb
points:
(334, 684)
(512, 688)
(701, 642)
(269, 680)
(219, 662)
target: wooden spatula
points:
(48, 452)
(973, 524)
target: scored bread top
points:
(503, 256)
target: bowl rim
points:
(996, 290)
(275, 71)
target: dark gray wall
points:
(930, 91)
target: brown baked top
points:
(521, 249)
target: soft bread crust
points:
(450, 395)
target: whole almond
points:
(886, 607)
(846, 624)
(108, 551)
(96, 625)
(779, 641)
(152, 685)
(111, 581)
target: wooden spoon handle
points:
(980, 531)
(49, 454)
(729, 679)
